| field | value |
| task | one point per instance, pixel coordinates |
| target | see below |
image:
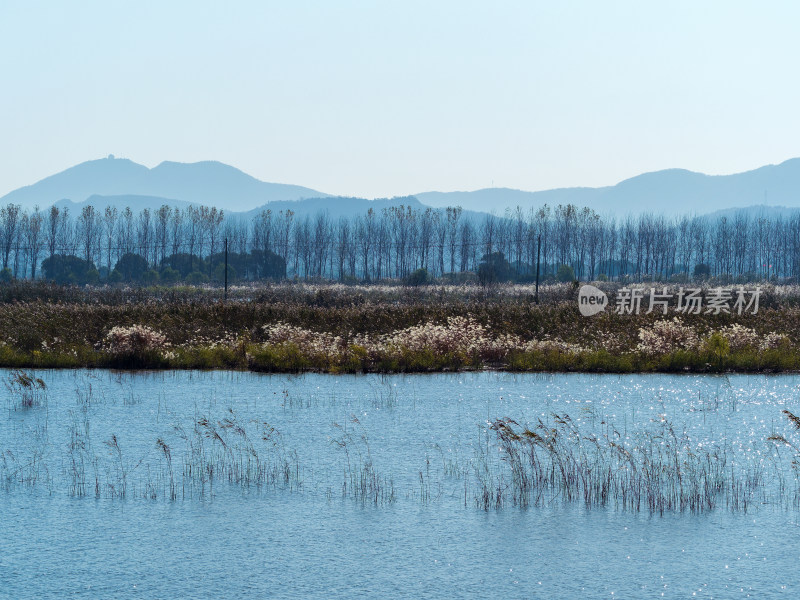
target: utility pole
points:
(538, 253)
(226, 269)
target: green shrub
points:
(417, 278)
(170, 275)
(565, 274)
(196, 278)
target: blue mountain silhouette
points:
(672, 192)
(210, 183)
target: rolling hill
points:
(210, 183)
(671, 192)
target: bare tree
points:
(177, 231)
(109, 227)
(163, 216)
(88, 231)
(33, 240)
(9, 228)
(213, 220)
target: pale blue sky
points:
(381, 99)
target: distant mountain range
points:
(210, 183)
(334, 206)
(774, 189)
(671, 192)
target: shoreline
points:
(61, 364)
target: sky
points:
(381, 99)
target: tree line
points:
(565, 241)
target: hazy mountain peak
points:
(207, 182)
(669, 191)
(203, 166)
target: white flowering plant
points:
(667, 336)
(136, 340)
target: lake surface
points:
(216, 484)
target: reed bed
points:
(189, 464)
(360, 479)
(382, 328)
(25, 391)
(649, 466)
(655, 470)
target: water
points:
(71, 525)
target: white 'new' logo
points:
(591, 300)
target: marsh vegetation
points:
(100, 437)
(341, 329)
(308, 474)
